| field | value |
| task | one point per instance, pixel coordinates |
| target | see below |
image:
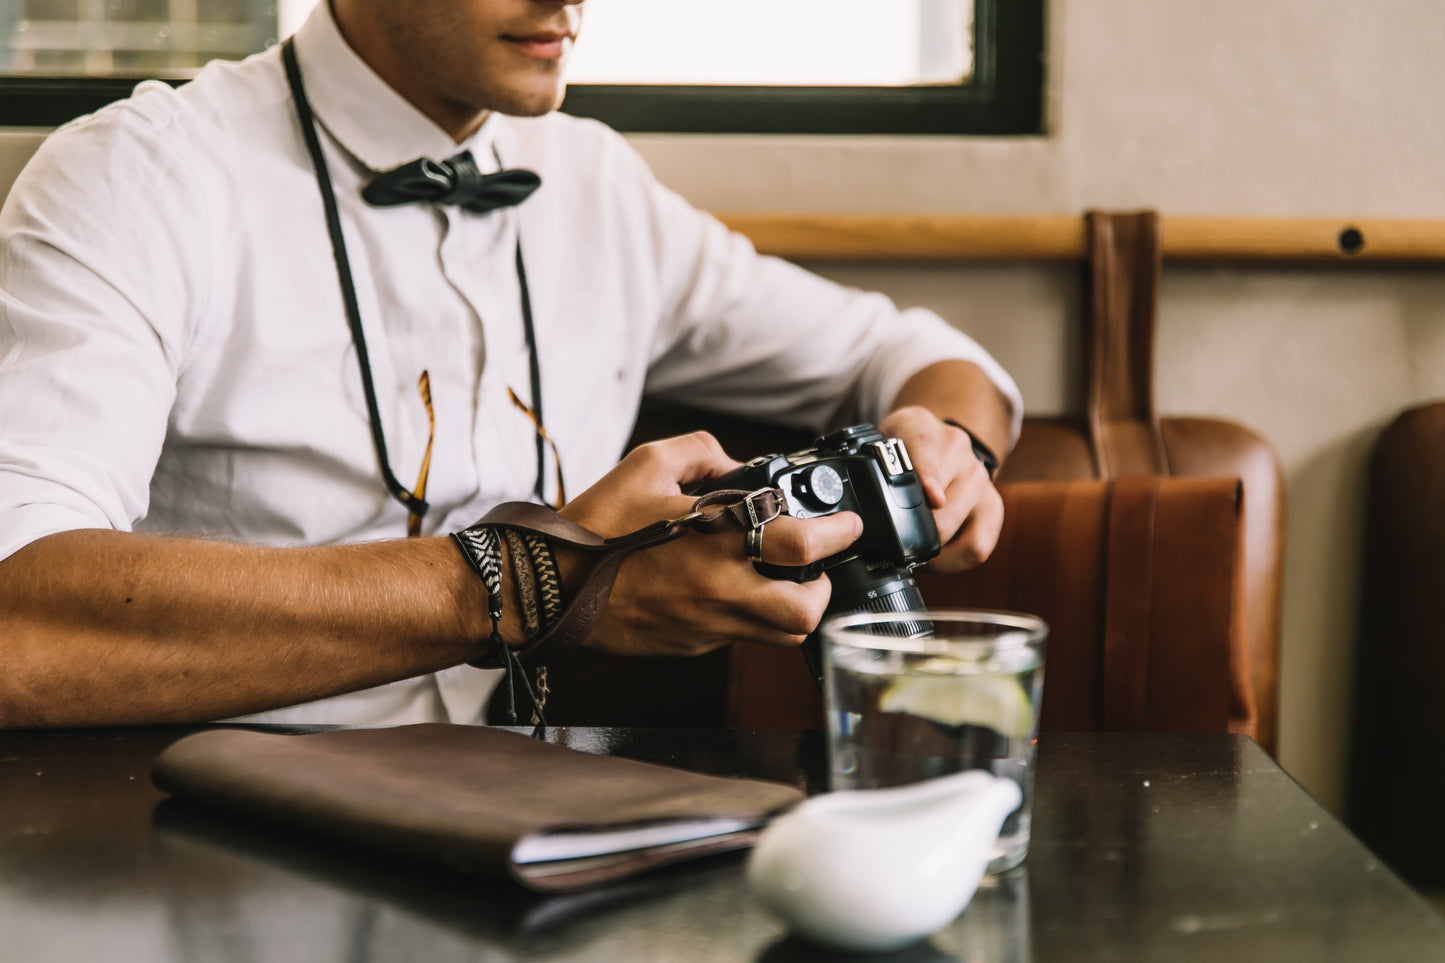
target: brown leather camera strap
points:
(714, 512)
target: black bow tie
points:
(453, 181)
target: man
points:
(192, 523)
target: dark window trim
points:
(1004, 96)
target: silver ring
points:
(753, 542)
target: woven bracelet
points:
(482, 548)
(524, 575)
(524, 579)
(549, 582)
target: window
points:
(130, 37)
(806, 43)
(821, 66)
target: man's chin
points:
(528, 111)
(529, 103)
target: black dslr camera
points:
(855, 469)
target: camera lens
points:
(883, 589)
(857, 588)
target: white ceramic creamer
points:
(878, 869)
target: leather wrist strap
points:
(714, 512)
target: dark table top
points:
(1170, 848)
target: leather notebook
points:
(475, 799)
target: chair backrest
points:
(1139, 581)
(1395, 780)
(1120, 433)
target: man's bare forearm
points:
(110, 628)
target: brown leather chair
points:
(1120, 434)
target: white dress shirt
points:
(175, 358)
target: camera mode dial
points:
(819, 487)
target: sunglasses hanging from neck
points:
(413, 500)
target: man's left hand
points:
(966, 506)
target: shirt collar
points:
(374, 123)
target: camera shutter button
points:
(819, 487)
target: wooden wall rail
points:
(1024, 237)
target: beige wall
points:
(1232, 107)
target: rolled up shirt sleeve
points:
(93, 297)
(764, 338)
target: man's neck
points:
(468, 130)
(458, 121)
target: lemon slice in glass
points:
(996, 702)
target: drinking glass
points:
(914, 695)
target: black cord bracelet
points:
(481, 546)
(980, 450)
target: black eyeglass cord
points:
(414, 504)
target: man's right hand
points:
(699, 592)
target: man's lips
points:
(543, 45)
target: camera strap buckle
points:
(748, 510)
(771, 502)
(733, 508)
